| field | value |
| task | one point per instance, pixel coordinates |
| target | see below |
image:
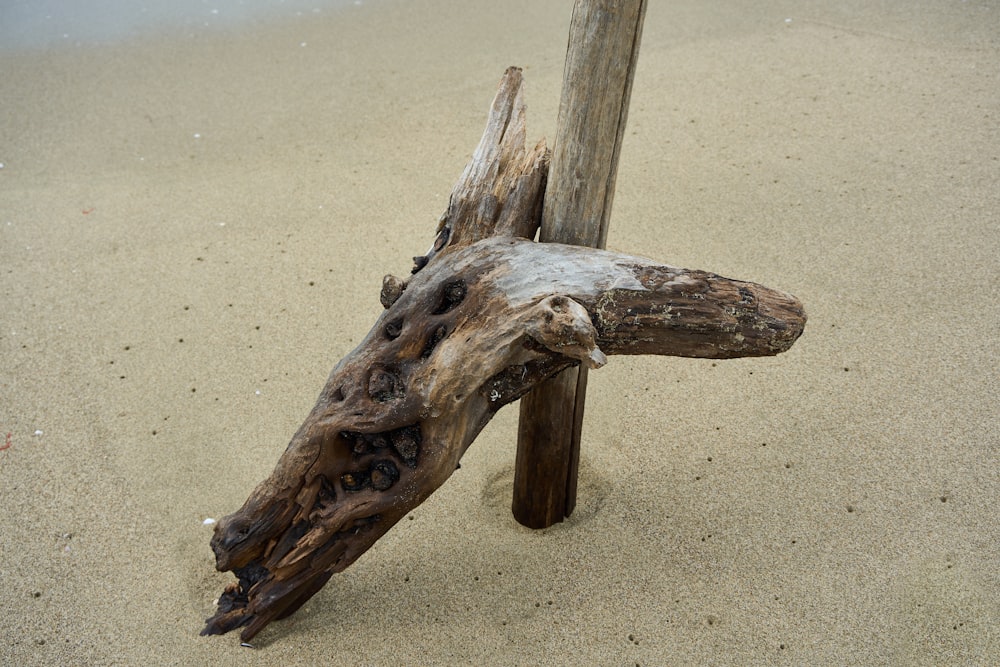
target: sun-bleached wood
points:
(601, 58)
(487, 315)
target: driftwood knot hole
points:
(452, 293)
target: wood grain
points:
(601, 58)
(487, 316)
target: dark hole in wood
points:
(394, 328)
(384, 384)
(327, 494)
(438, 335)
(452, 294)
(383, 475)
(354, 481)
(337, 395)
(406, 442)
(252, 573)
(356, 441)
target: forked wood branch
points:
(487, 316)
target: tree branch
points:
(473, 330)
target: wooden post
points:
(597, 83)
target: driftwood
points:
(601, 58)
(487, 315)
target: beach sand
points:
(194, 224)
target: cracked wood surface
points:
(601, 58)
(488, 315)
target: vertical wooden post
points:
(601, 57)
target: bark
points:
(487, 316)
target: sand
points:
(194, 223)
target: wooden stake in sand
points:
(601, 57)
(487, 316)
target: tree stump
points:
(487, 315)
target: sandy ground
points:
(193, 230)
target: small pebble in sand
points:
(208, 522)
(39, 432)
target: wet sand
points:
(194, 225)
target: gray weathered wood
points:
(474, 330)
(487, 316)
(600, 65)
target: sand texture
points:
(194, 225)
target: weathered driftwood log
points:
(487, 316)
